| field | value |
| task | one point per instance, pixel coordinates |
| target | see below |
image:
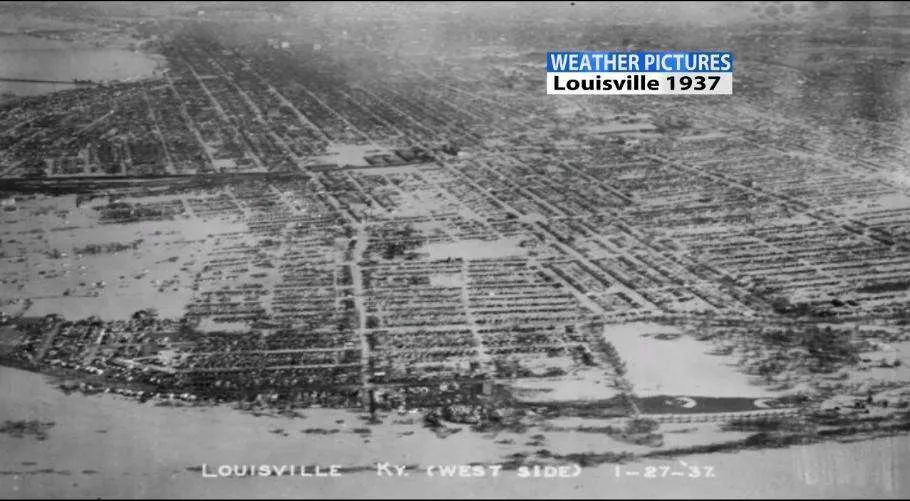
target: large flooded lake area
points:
(34, 58)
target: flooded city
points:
(355, 249)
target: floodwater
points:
(157, 272)
(680, 366)
(37, 58)
(111, 447)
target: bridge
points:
(714, 417)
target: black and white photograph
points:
(454, 249)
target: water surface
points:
(30, 57)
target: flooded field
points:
(664, 362)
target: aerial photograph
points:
(355, 249)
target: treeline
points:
(107, 248)
(827, 349)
